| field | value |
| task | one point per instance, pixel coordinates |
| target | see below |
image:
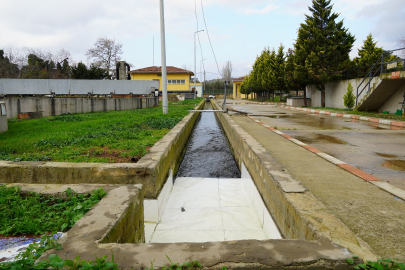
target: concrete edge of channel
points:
(107, 228)
(298, 214)
(152, 170)
(399, 193)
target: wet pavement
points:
(377, 149)
(208, 153)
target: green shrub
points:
(349, 98)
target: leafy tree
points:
(105, 53)
(7, 69)
(324, 44)
(349, 98)
(244, 87)
(369, 53)
(277, 71)
(264, 68)
(80, 71)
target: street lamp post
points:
(163, 51)
(203, 79)
(195, 64)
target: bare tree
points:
(106, 53)
(186, 67)
(16, 56)
(227, 71)
(61, 55)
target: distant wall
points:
(74, 87)
(43, 107)
(334, 92)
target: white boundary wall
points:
(334, 92)
(75, 87)
(43, 106)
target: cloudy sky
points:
(239, 29)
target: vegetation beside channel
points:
(35, 214)
(110, 137)
(388, 116)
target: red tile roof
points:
(241, 79)
(155, 69)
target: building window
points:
(3, 109)
(176, 81)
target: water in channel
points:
(208, 154)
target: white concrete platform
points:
(210, 210)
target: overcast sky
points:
(239, 29)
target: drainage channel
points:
(209, 201)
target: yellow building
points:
(178, 80)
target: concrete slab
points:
(209, 210)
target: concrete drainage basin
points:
(235, 207)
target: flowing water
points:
(208, 154)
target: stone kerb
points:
(296, 211)
(151, 171)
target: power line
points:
(198, 36)
(212, 48)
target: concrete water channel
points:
(258, 216)
(210, 201)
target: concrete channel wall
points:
(151, 171)
(75, 87)
(44, 106)
(295, 210)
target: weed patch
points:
(35, 214)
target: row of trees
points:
(35, 64)
(320, 53)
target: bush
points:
(349, 98)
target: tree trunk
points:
(305, 97)
(323, 96)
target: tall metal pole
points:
(195, 64)
(163, 49)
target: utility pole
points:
(195, 64)
(163, 50)
(153, 50)
(224, 105)
(202, 94)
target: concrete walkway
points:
(373, 214)
(211, 210)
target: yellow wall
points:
(171, 76)
(236, 90)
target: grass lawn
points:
(111, 137)
(366, 114)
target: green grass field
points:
(111, 137)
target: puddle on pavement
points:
(321, 137)
(398, 165)
(387, 155)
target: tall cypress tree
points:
(324, 44)
(277, 71)
(268, 59)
